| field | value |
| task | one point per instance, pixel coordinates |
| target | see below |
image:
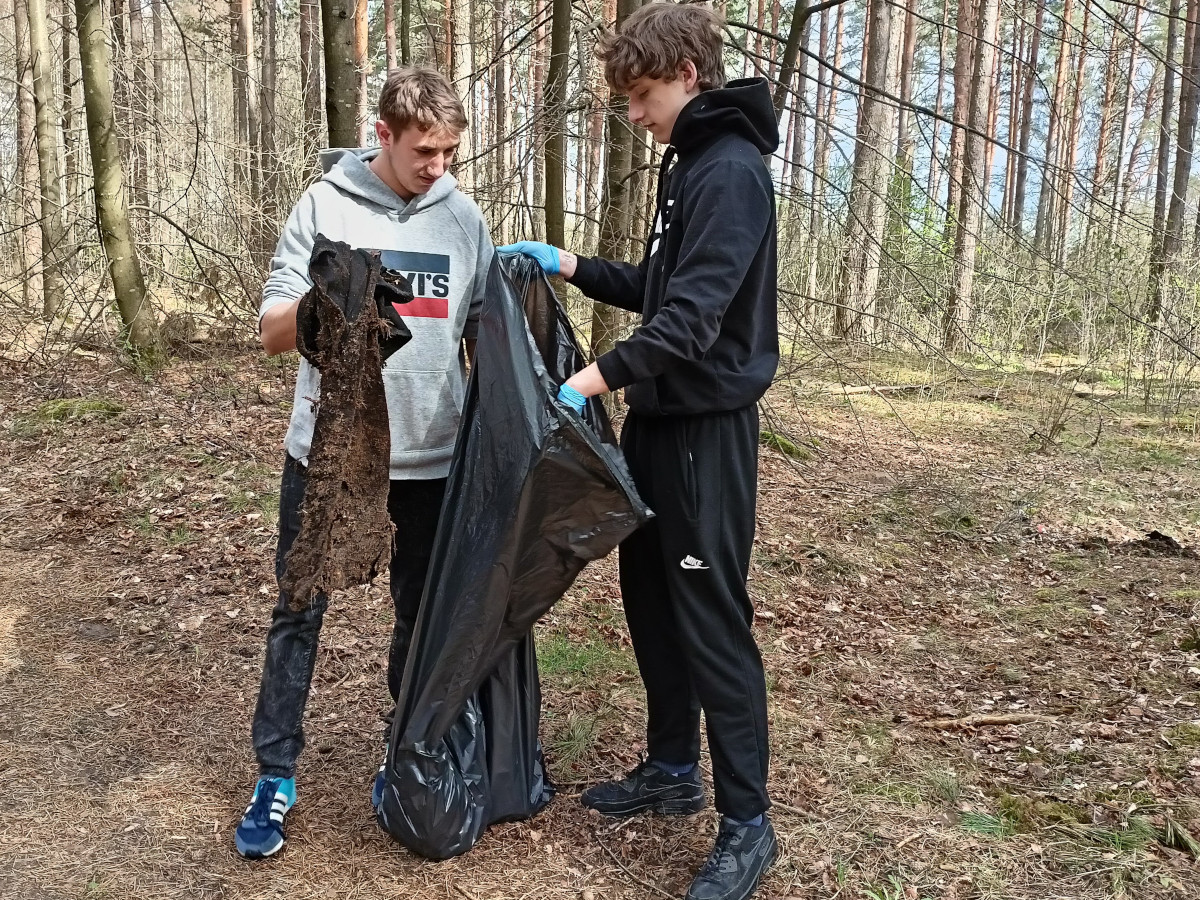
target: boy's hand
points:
(568, 396)
(546, 256)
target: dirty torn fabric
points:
(345, 531)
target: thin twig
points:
(625, 869)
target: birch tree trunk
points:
(111, 206)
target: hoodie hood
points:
(742, 107)
(347, 169)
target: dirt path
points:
(912, 569)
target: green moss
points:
(783, 445)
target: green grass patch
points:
(896, 791)
(986, 824)
(570, 661)
(77, 409)
(945, 786)
(571, 738)
(1030, 814)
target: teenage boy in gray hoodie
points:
(398, 199)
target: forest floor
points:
(983, 676)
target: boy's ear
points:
(688, 75)
(383, 132)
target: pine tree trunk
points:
(1071, 155)
(616, 204)
(1099, 172)
(1119, 198)
(269, 156)
(341, 76)
(1163, 154)
(826, 107)
(362, 66)
(934, 186)
(389, 32)
(556, 123)
(1043, 234)
(855, 316)
(973, 197)
(310, 79)
(1014, 114)
(964, 54)
(111, 208)
(406, 56)
(1031, 79)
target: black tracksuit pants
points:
(683, 580)
(278, 732)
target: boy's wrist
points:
(567, 261)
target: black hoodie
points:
(706, 287)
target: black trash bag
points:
(534, 493)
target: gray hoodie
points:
(440, 241)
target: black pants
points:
(278, 731)
(683, 580)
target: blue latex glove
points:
(546, 255)
(568, 396)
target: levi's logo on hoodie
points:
(429, 274)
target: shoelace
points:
(264, 798)
(712, 865)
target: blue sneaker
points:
(377, 787)
(260, 833)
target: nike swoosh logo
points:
(690, 562)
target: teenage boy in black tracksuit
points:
(693, 373)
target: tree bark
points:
(111, 207)
(1071, 154)
(46, 127)
(973, 197)
(406, 32)
(1031, 78)
(1118, 199)
(855, 315)
(1044, 226)
(266, 143)
(389, 32)
(341, 76)
(616, 204)
(33, 294)
(362, 65)
(555, 117)
(310, 79)
(1099, 171)
(964, 54)
(1164, 128)
(1189, 100)
(70, 143)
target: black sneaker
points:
(647, 788)
(739, 859)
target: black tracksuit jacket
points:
(706, 287)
